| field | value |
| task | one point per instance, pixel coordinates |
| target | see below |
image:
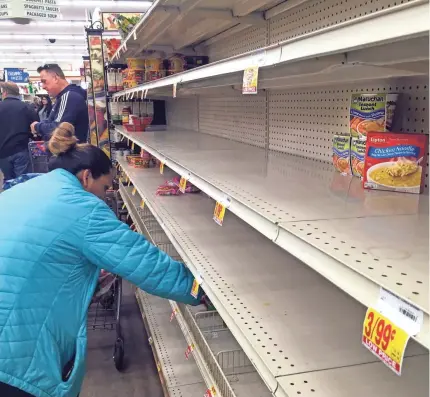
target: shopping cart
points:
(38, 156)
(104, 313)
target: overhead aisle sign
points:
(31, 9)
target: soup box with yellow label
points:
(371, 112)
(395, 162)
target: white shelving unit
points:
(303, 250)
(326, 220)
(280, 311)
(203, 330)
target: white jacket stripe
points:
(62, 106)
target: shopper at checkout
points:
(50, 260)
(16, 117)
(70, 104)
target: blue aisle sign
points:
(16, 75)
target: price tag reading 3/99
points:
(182, 184)
(384, 339)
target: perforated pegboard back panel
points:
(182, 113)
(241, 118)
(314, 15)
(247, 40)
(304, 121)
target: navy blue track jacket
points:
(70, 106)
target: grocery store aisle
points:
(140, 378)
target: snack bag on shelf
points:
(167, 189)
(371, 112)
(395, 162)
(358, 151)
(341, 154)
(190, 188)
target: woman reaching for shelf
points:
(50, 260)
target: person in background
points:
(49, 269)
(37, 104)
(45, 108)
(16, 118)
(70, 104)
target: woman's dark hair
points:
(74, 157)
(48, 105)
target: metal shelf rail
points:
(343, 234)
(299, 332)
(231, 361)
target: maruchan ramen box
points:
(358, 151)
(371, 112)
(395, 162)
(341, 153)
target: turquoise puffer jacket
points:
(54, 239)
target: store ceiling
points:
(63, 42)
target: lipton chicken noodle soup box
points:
(341, 153)
(371, 112)
(395, 162)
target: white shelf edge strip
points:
(247, 347)
(399, 22)
(350, 281)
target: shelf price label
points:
(132, 145)
(173, 315)
(182, 184)
(219, 213)
(142, 204)
(195, 289)
(189, 350)
(123, 206)
(161, 168)
(250, 80)
(384, 339)
(133, 192)
(210, 392)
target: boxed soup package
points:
(395, 162)
(371, 112)
(341, 153)
(358, 151)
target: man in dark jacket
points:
(70, 104)
(16, 118)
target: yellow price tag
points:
(142, 204)
(219, 213)
(133, 192)
(161, 168)
(384, 339)
(182, 184)
(132, 145)
(195, 289)
(158, 367)
(123, 206)
(213, 390)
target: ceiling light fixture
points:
(50, 47)
(14, 36)
(108, 5)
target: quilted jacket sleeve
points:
(111, 245)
